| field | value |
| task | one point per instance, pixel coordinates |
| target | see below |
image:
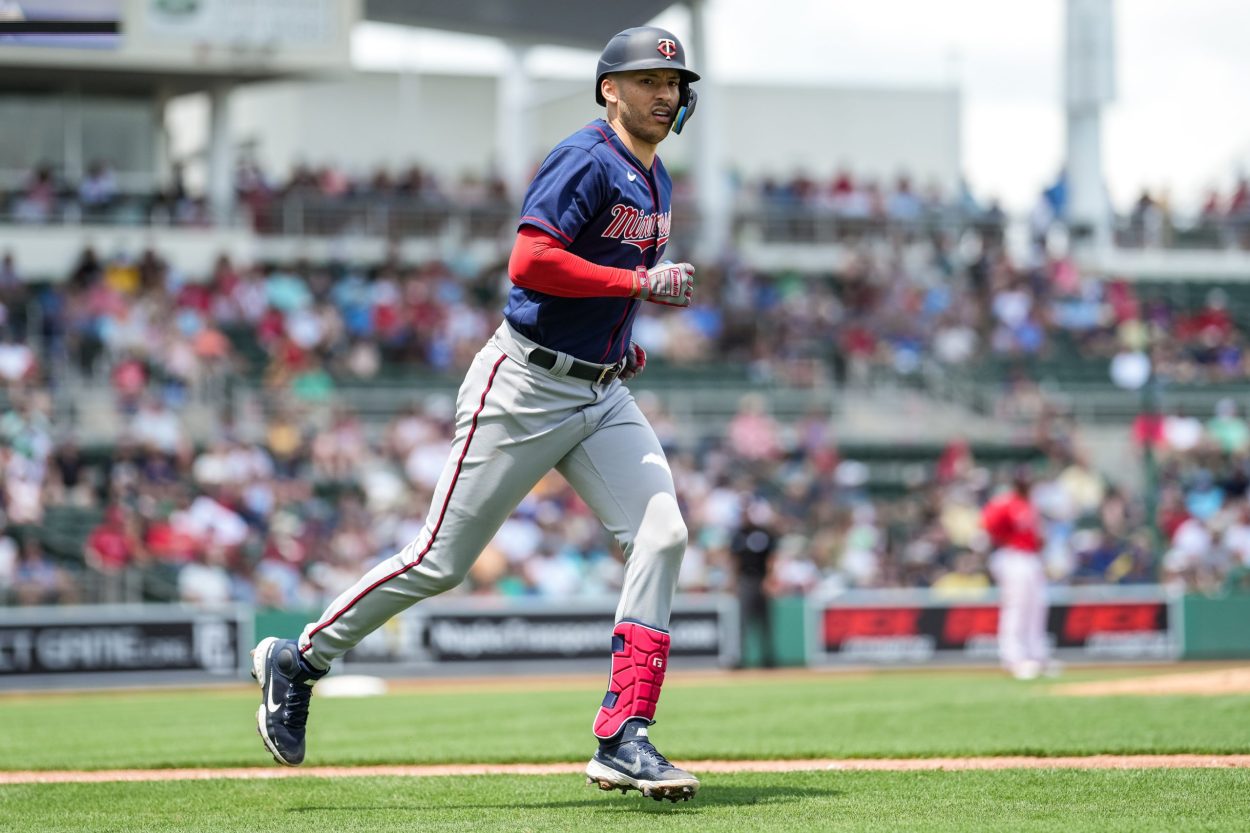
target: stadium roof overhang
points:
(118, 81)
(583, 24)
(557, 22)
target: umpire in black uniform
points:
(752, 549)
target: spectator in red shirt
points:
(112, 545)
(753, 433)
(1213, 319)
(130, 379)
(1147, 430)
(955, 461)
(111, 548)
(1239, 203)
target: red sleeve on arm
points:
(540, 262)
(992, 520)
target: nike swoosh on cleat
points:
(269, 703)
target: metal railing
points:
(392, 215)
(818, 225)
(132, 585)
(127, 209)
(390, 218)
(1087, 400)
(695, 405)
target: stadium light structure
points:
(1089, 85)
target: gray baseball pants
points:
(514, 423)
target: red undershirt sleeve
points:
(541, 263)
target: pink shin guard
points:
(639, 660)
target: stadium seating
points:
(63, 532)
(895, 469)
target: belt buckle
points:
(611, 372)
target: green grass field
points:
(889, 714)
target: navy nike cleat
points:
(629, 761)
(285, 690)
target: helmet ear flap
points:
(685, 106)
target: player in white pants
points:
(545, 393)
(1016, 564)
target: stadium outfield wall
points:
(118, 645)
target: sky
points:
(1179, 122)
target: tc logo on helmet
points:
(667, 47)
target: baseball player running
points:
(545, 392)
(1012, 524)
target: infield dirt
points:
(459, 770)
(1222, 682)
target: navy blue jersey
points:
(598, 200)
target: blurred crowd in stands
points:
(290, 519)
(292, 514)
(795, 206)
(953, 304)
(99, 196)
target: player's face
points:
(646, 101)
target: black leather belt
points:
(600, 374)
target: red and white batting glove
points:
(635, 362)
(671, 284)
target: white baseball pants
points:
(1022, 609)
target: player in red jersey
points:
(1016, 564)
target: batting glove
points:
(670, 284)
(635, 361)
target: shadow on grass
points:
(710, 796)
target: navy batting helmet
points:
(649, 47)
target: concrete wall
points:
(448, 123)
(371, 120)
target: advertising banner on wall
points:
(465, 631)
(1095, 624)
(148, 640)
